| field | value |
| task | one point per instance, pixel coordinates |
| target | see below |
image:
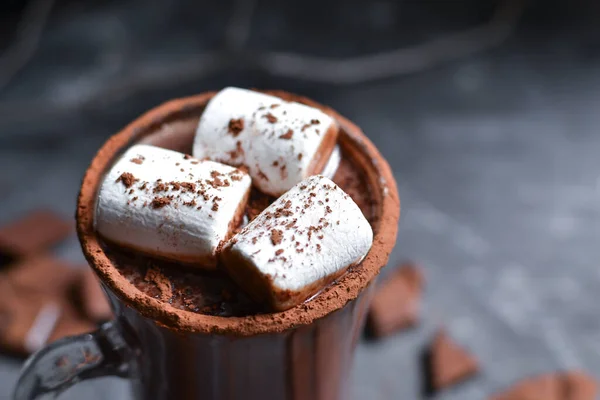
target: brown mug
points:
(168, 353)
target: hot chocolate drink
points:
(200, 327)
(170, 278)
(213, 292)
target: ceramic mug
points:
(174, 354)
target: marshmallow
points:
(170, 205)
(299, 244)
(333, 163)
(281, 143)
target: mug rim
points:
(335, 297)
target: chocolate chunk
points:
(28, 319)
(70, 324)
(396, 302)
(449, 362)
(545, 387)
(31, 234)
(43, 273)
(94, 301)
(571, 385)
(579, 386)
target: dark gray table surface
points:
(496, 157)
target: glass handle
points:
(68, 361)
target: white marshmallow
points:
(170, 205)
(300, 243)
(333, 163)
(215, 139)
(280, 142)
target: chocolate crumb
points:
(160, 202)
(318, 247)
(138, 160)
(187, 157)
(279, 252)
(160, 187)
(300, 155)
(288, 135)
(236, 126)
(127, 179)
(271, 118)
(275, 163)
(274, 106)
(328, 210)
(215, 207)
(191, 203)
(276, 237)
(254, 240)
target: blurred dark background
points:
(486, 110)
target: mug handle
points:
(68, 361)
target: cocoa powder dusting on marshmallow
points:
(138, 160)
(288, 135)
(271, 118)
(235, 126)
(127, 179)
(191, 203)
(160, 187)
(160, 202)
(276, 236)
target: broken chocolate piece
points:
(571, 385)
(70, 324)
(94, 301)
(31, 234)
(546, 387)
(449, 362)
(579, 386)
(28, 319)
(43, 273)
(395, 305)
